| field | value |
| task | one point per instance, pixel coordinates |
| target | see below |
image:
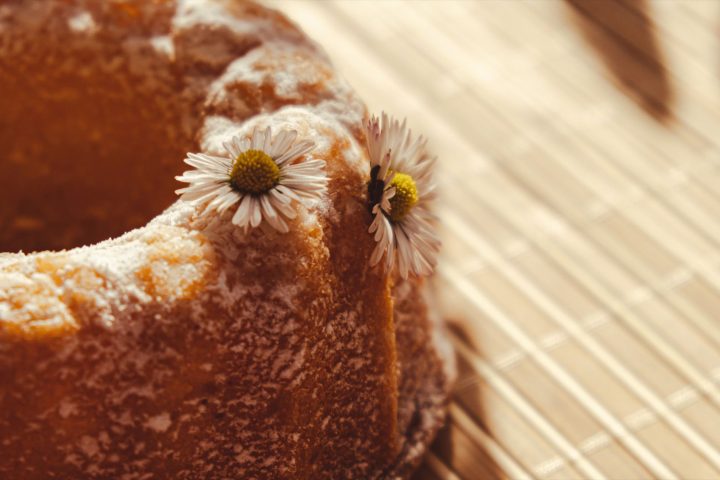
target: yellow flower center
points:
(406, 196)
(254, 171)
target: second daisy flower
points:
(400, 190)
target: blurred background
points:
(579, 165)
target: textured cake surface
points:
(185, 348)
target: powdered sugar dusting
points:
(159, 423)
(82, 23)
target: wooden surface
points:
(580, 153)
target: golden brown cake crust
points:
(186, 349)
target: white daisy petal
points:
(429, 192)
(312, 183)
(377, 254)
(285, 208)
(390, 256)
(195, 177)
(377, 227)
(229, 200)
(308, 166)
(383, 237)
(232, 148)
(385, 167)
(226, 198)
(300, 180)
(258, 139)
(218, 172)
(385, 200)
(242, 214)
(240, 144)
(388, 178)
(415, 256)
(207, 162)
(255, 212)
(418, 224)
(287, 192)
(279, 197)
(268, 141)
(197, 187)
(391, 249)
(282, 143)
(297, 150)
(425, 246)
(374, 225)
(199, 195)
(271, 215)
(266, 207)
(202, 185)
(426, 256)
(382, 228)
(404, 253)
(282, 225)
(309, 195)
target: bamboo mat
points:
(579, 147)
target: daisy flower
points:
(264, 175)
(400, 190)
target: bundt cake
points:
(273, 321)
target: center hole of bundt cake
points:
(91, 136)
